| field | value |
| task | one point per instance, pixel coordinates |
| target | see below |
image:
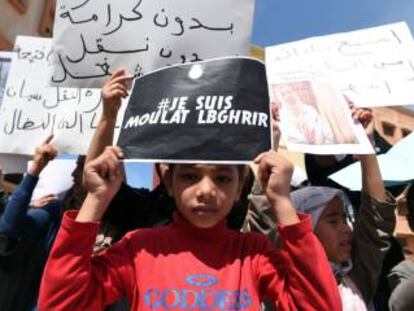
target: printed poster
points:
(213, 111)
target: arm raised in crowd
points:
(375, 222)
(112, 93)
(307, 270)
(17, 221)
(372, 183)
(102, 179)
(275, 174)
(83, 281)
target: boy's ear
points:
(167, 180)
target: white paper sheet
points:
(93, 38)
(373, 67)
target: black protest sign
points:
(213, 111)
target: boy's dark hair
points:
(240, 168)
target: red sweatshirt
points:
(181, 267)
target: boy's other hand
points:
(103, 175)
(275, 174)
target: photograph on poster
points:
(20, 5)
(307, 107)
(315, 118)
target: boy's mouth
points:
(346, 245)
(201, 210)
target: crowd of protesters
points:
(208, 237)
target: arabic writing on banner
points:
(92, 38)
(31, 109)
(214, 111)
(373, 67)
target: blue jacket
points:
(26, 236)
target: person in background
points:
(401, 277)
(131, 208)
(357, 277)
(27, 231)
(318, 169)
(356, 255)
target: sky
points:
(278, 21)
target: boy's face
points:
(204, 194)
(334, 232)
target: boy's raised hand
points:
(44, 153)
(275, 174)
(103, 175)
(113, 91)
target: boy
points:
(195, 262)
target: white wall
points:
(12, 23)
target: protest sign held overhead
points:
(214, 111)
(92, 38)
(373, 67)
(31, 108)
(315, 118)
(9, 163)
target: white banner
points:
(31, 109)
(93, 38)
(373, 67)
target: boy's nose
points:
(346, 229)
(206, 188)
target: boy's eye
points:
(189, 176)
(332, 221)
(223, 179)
